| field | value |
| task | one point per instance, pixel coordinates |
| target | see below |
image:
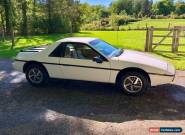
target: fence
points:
(176, 33)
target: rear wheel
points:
(133, 83)
(36, 75)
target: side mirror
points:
(98, 59)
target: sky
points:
(102, 2)
(97, 2)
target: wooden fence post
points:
(176, 34)
(149, 39)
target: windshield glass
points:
(104, 48)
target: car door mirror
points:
(98, 59)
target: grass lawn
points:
(123, 39)
(160, 23)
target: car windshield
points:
(106, 48)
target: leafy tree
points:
(119, 5)
(92, 13)
(180, 8)
(142, 7)
(24, 25)
(163, 7)
(74, 15)
(2, 26)
(6, 5)
(146, 9)
(104, 13)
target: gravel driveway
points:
(76, 107)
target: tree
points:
(49, 8)
(146, 9)
(96, 12)
(24, 26)
(120, 5)
(142, 7)
(104, 13)
(163, 7)
(74, 14)
(2, 26)
(180, 8)
(6, 5)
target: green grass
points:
(126, 39)
(160, 23)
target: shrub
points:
(111, 23)
(159, 17)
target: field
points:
(124, 39)
(160, 23)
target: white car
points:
(91, 59)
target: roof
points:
(78, 39)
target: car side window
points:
(79, 51)
(58, 52)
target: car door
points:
(78, 64)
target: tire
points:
(36, 75)
(133, 83)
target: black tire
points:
(43, 73)
(143, 80)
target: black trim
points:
(72, 65)
(30, 50)
(89, 67)
(93, 67)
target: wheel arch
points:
(27, 64)
(126, 70)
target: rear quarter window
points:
(58, 51)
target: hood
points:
(143, 59)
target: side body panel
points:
(87, 70)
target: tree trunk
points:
(3, 27)
(12, 38)
(7, 16)
(71, 27)
(49, 17)
(34, 8)
(34, 18)
(24, 18)
(11, 24)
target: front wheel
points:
(36, 75)
(133, 83)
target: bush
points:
(111, 23)
(180, 17)
(159, 17)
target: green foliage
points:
(163, 7)
(111, 23)
(120, 5)
(180, 8)
(132, 7)
(38, 17)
